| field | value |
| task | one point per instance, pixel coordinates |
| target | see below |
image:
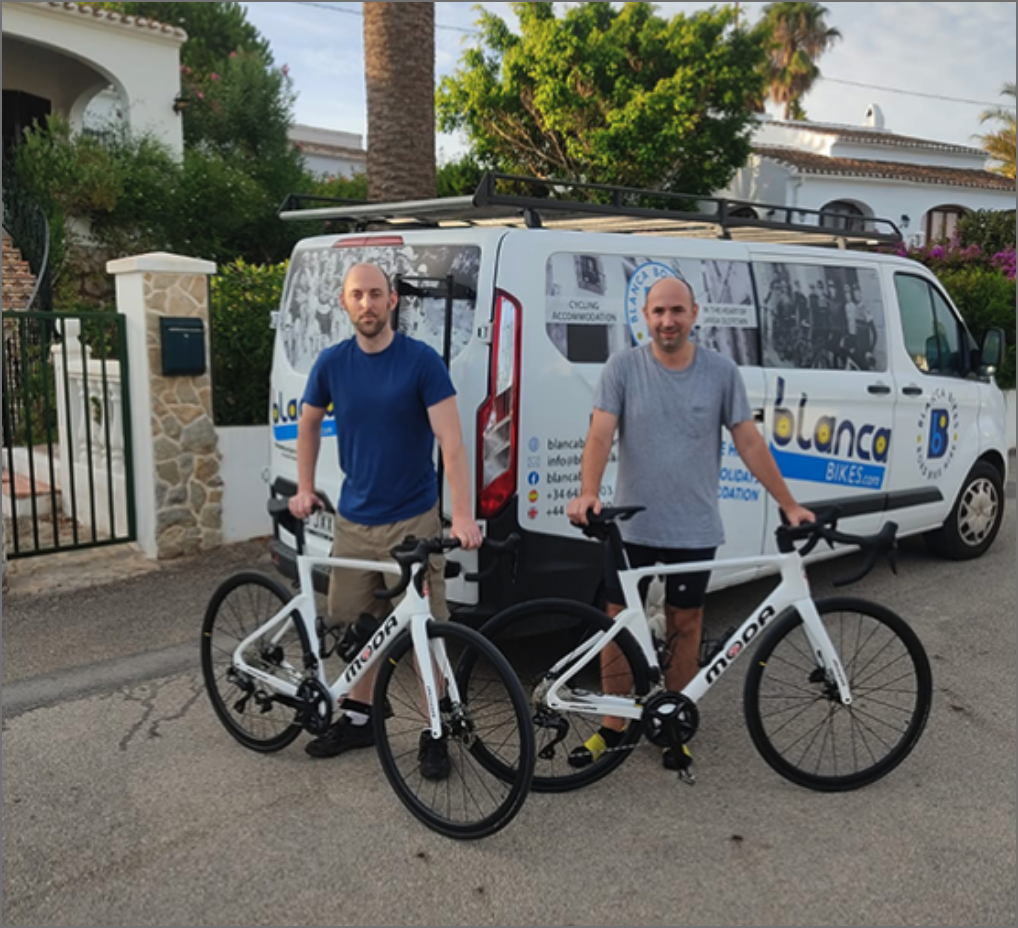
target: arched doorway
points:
(20, 112)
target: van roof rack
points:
(507, 199)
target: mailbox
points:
(183, 346)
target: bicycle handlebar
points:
(825, 528)
(604, 527)
(408, 553)
(417, 550)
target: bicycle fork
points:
(830, 670)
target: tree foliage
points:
(606, 95)
(797, 35)
(1000, 143)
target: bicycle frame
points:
(792, 592)
(413, 612)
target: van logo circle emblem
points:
(644, 277)
(937, 434)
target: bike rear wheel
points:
(471, 798)
(248, 709)
(534, 636)
(795, 716)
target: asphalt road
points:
(125, 802)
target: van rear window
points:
(311, 317)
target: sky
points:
(932, 68)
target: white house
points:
(329, 152)
(868, 171)
(57, 57)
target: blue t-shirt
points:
(386, 445)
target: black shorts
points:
(682, 591)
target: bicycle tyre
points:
(516, 633)
(472, 801)
(238, 607)
(796, 720)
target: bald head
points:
(671, 291)
(366, 277)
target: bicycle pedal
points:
(687, 777)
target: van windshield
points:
(311, 318)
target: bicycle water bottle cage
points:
(357, 633)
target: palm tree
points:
(1001, 143)
(799, 36)
(399, 70)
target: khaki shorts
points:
(351, 592)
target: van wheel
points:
(975, 519)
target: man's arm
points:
(309, 442)
(445, 423)
(596, 451)
(758, 458)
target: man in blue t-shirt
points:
(391, 397)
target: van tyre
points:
(975, 519)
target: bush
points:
(244, 296)
(986, 299)
(992, 230)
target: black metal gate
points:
(68, 475)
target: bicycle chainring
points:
(315, 715)
(670, 719)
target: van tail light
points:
(498, 420)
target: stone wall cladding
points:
(188, 463)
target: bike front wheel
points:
(453, 787)
(795, 715)
(247, 708)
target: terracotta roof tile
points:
(120, 19)
(812, 163)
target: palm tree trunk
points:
(399, 67)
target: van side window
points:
(821, 317)
(594, 304)
(934, 337)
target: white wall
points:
(245, 472)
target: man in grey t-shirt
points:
(668, 401)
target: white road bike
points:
(265, 662)
(837, 694)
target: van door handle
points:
(879, 389)
(912, 391)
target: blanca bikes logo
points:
(937, 434)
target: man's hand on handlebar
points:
(798, 515)
(579, 506)
(467, 532)
(303, 504)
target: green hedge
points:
(244, 296)
(986, 299)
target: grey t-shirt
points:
(670, 442)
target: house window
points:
(942, 223)
(843, 216)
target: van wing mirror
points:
(991, 352)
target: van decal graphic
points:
(285, 415)
(826, 450)
(937, 434)
(644, 277)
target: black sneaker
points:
(342, 736)
(433, 756)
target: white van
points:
(863, 377)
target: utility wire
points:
(915, 93)
(831, 80)
(349, 12)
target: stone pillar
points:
(177, 462)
